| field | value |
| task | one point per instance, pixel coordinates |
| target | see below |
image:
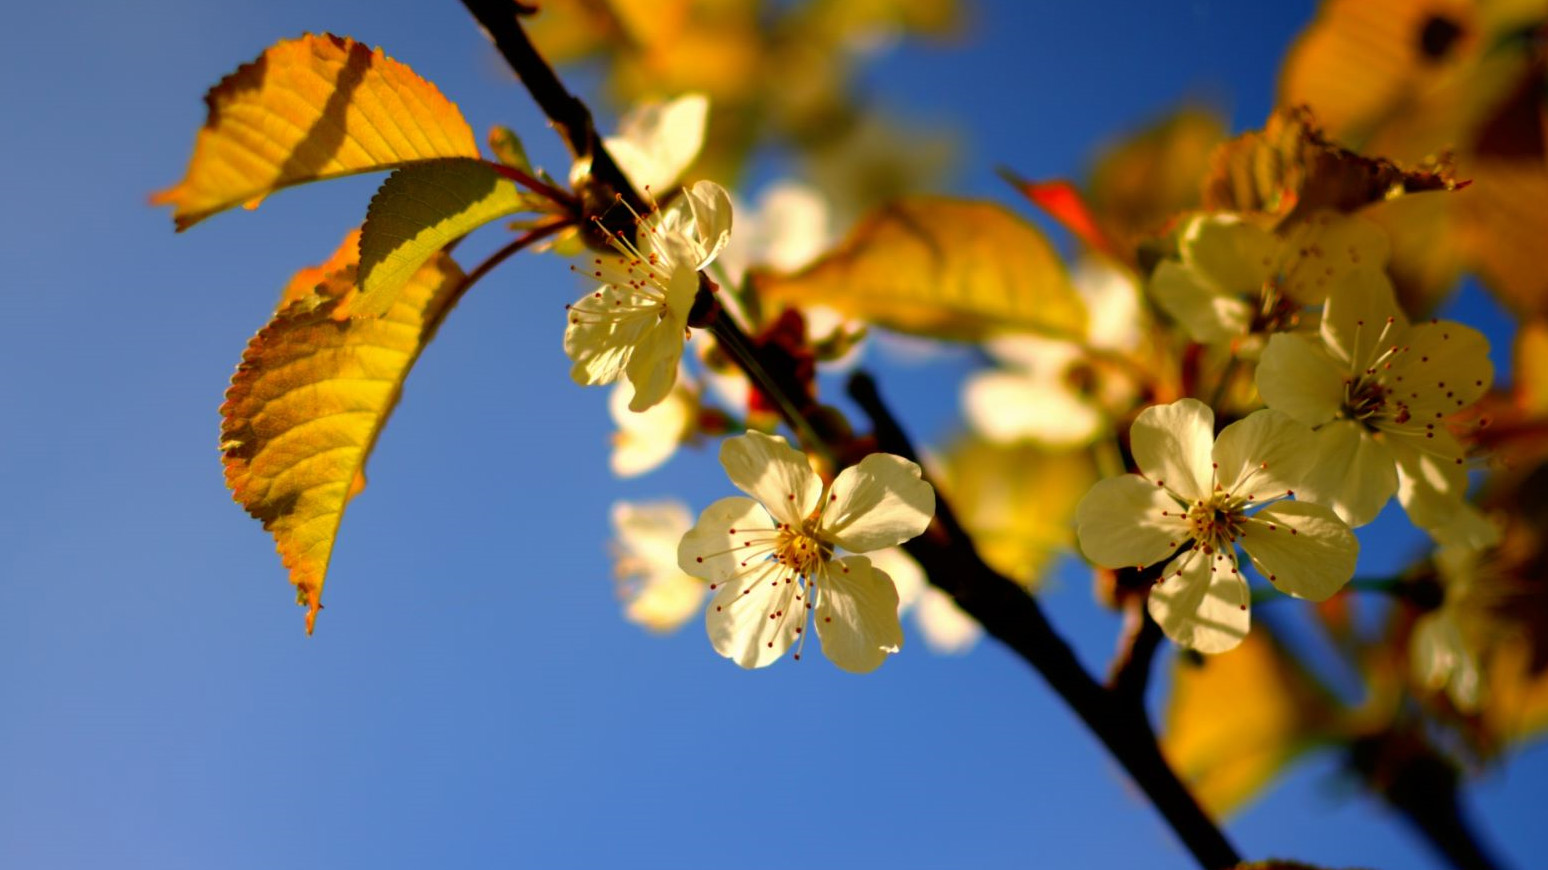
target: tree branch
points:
(1010, 614)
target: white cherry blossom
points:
(772, 559)
(646, 439)
(1379, 390)
(634, 325)
(1198, 497)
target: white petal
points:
(652, 366)
(1006, 406)
(1236, 257)
(880, 502)
(657, 594)
(857, 615)
(651, 531)
(1302, 548)
(756, 616)
(1443, 368)
(657, 141)
(945, 627)
(1172, 445)
(1264, 456)
(1432, 480)
(1324, 249)
(1209, 316)
(1201, 604)
(731, 536)
(1300, 378)
(711, 207)
(1362, 319)
(771, 471)
(1354, 473)
(1128, 521)
(601, 346)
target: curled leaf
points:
(308, 109)
(416, 212)
(308, 401)
(946, 268)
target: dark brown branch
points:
(569, 115)
(1425, 790)
(1130, 671)
(1014, 617)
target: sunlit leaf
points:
(1064, 203)
(1289, 168)
(1515, 707)
(1502, 220)
(507, 148)
(308, 401)
(1234, 720)
(307, 109)
(945, 268)
(417, 211)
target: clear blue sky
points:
(471, 697)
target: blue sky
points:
(471, 697)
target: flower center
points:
(1276, 311)
(1216, 522)
(800, 550)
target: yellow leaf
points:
(940, 267)
(1502, 220)
(1235, 719)
(417, 211)
(1515, 707)
(310, 398)
(308, 109)
(1017, 501)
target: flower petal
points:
(1353, 474)
(652, 367)
(1324, 249)
(731, 535)
(1432, 479)
(1299, 378)
(1128, 521)
(656, 592)
(711, 207)
(1201, 604)
(881, 502)
(857, 615)
(1209, 316)
(601, 346)
(1172, 445)
(1362, 320)
(767, 468)
(756, 616)
(1444, 367)
(1265, 456)
(1236, 257)
(1302, 548)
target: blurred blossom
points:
(942, 624)
(1442, 655)
(1054, 392)
(656, 593)
(1235, 279)
(647, 439)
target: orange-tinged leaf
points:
(946, 268)
(1235, 720)
(1515, 707)
(1289, 168)
(1064, 204)
(1502, 220)
(308, 109)
(308, 401)
(1142, 182)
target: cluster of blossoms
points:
(1357, 402)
